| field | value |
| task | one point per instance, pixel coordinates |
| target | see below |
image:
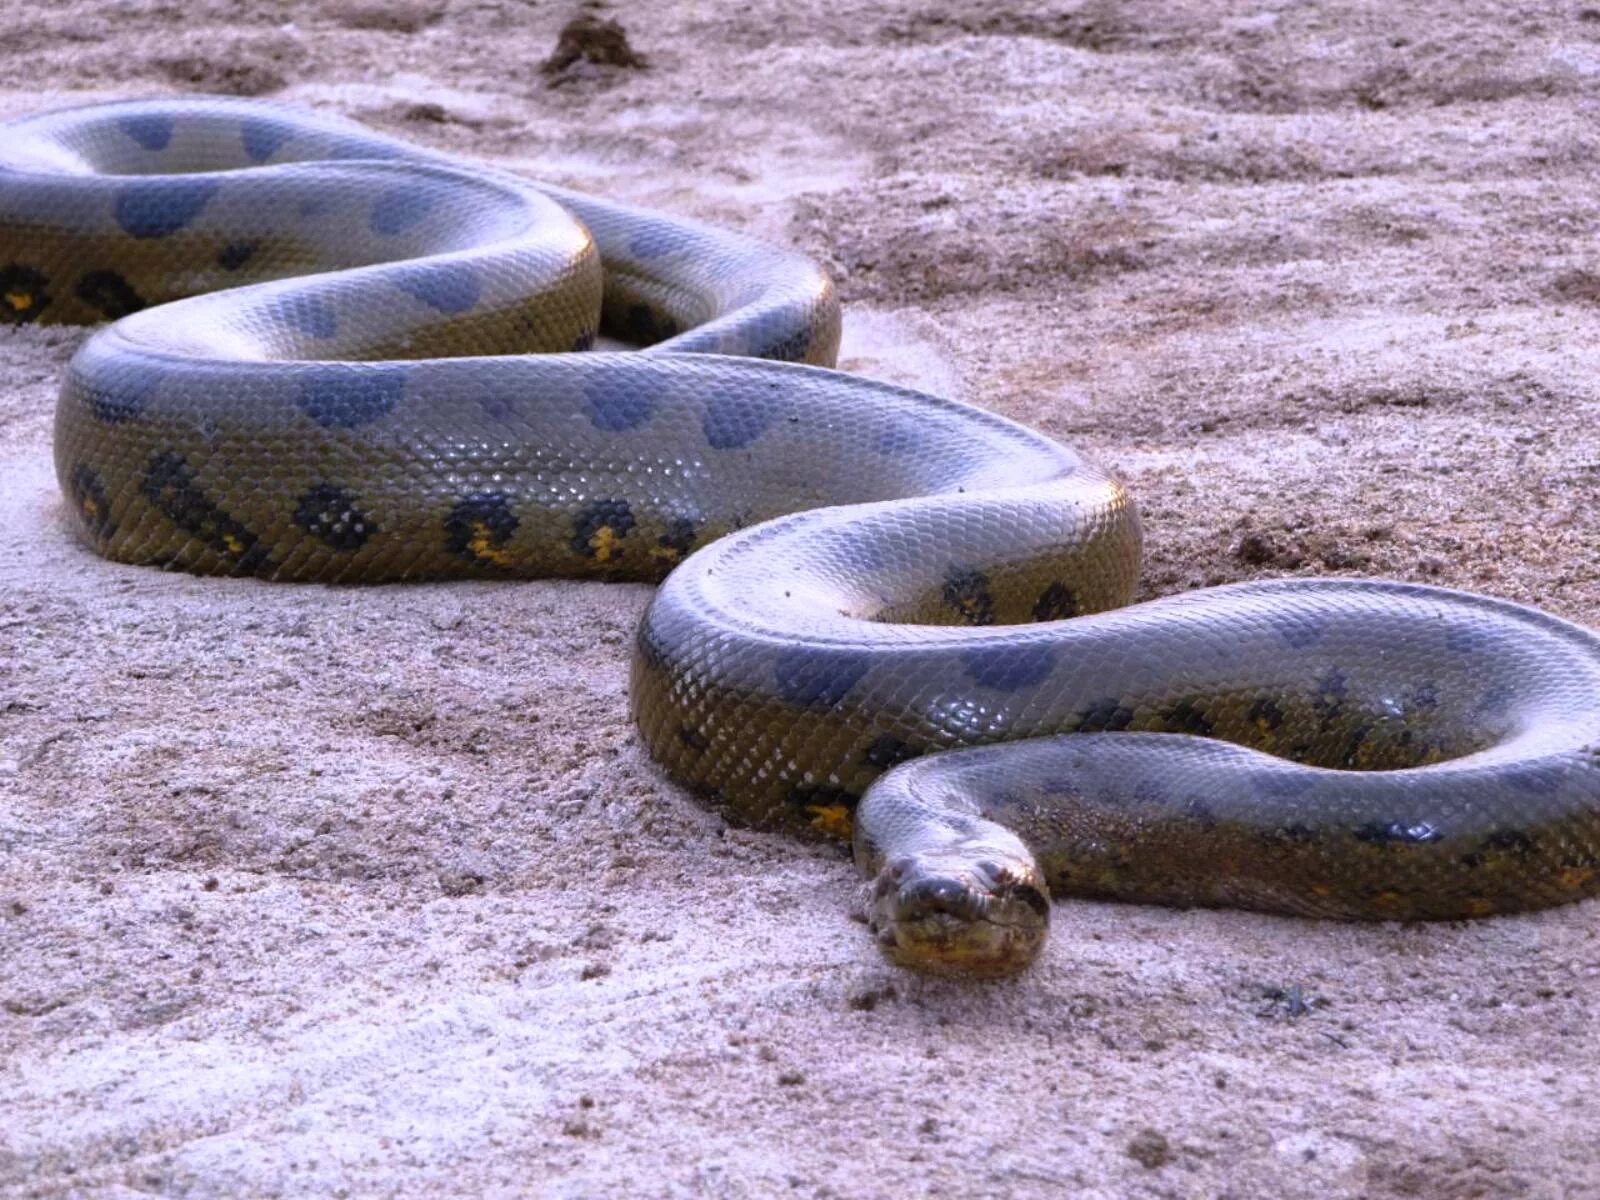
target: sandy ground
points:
(308, 891)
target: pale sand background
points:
(310, 891)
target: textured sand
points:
(309, 891)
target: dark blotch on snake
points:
(480, 524)
(583, 341)
(109, 294)
(1009, 668)
(679, 537)
(400, 209)
(1110, 715)
(1266, 714)
(153, 131)
(1187, 715)
(1056, 603)
(235, 254)
(889, 751)
(817, 677)
(262, 137)
(657, 239)
(448, 287)
(308, 313)
(117, 401)
(171, 487)
(731, 422)
(1300, 632)
(693, 738)
(90, 501)
(600, 515)
(613, 408)
(23, 294)
(345, 397)
(966, 592)
(329, 513)
(157, 208)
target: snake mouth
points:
(977, 919)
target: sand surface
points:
(308, 891)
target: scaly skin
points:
(864, 574)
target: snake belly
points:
(338, 357)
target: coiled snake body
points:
(859, 574)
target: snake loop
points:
(335, 356)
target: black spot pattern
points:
(583, 341)
(23, 294)
(448, 287)
(153, 131)
(679, 537)
(1510, 841)
(730, 423)
(1056, 603)
(889, 751)
(158, 208)
(780, 344)
(329, 513)
(480, 525)
(613, 408)
(109, 294)
(1110, 715)
(262, 137)
(966, 591)
(818, 678)
(1187, 715)
(693, 738)
(170, 486)
(1266, 714)
(599, 525)
(400, 209)
(90, 501)
(344, 397)
(236, 254)
(1009, 668)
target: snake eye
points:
(1032, 897)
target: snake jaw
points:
(951, 913)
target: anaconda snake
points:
(859, 573)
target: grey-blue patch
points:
(816, 677)
(1301, 632)
(153, 131)
(309, 314)
(655, 240)
(615, 407)
(340, 396)
(157, 208)
(116, 400)
(1008, 668)
(730, 422)
(448, 287)
(262, 138)
(400, 209)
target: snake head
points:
(953, 912)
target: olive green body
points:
(371, 362)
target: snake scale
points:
(321, 366)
